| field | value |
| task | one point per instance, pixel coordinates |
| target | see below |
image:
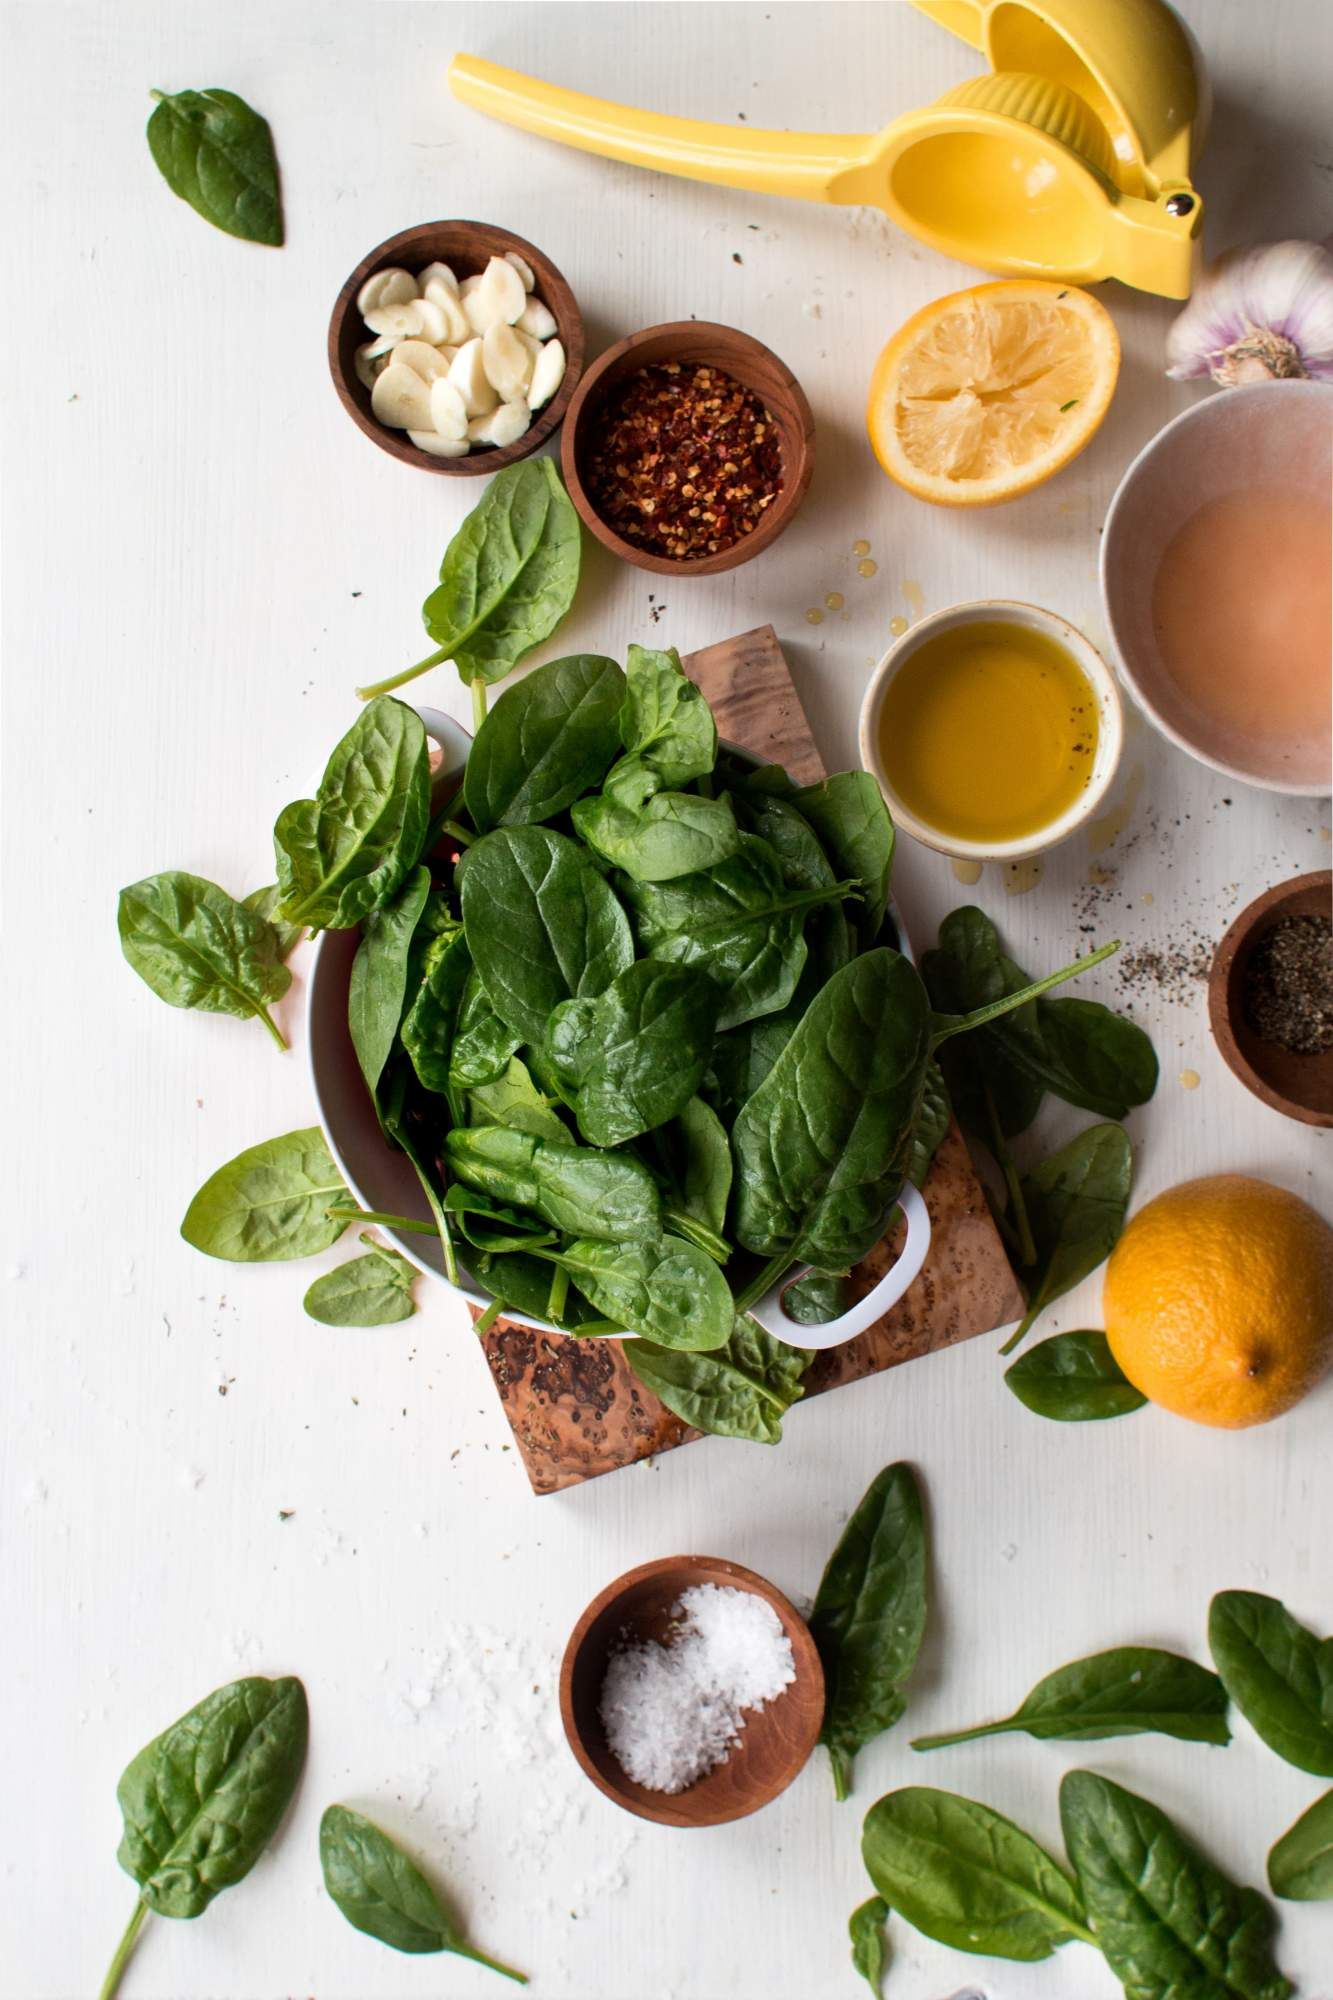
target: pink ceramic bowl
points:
(1267, 434)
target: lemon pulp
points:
(988, 732)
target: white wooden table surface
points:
(202, 557)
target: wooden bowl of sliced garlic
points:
(456, 347)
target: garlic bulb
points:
(1258, 315)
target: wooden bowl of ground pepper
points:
(687, 448)
(1270, 997)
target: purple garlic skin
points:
(1262, 314)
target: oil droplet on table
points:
(1104, 832)
(1189, 1079)
(1020, 876)
(834, 600)
(916, 602)
(1147, 897)
(814, 616)
(866, 568)
(966, 871)
(861, 548)
(897, 626)
(1101, 876)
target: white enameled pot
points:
(384, 1181)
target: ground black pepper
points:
(1287, 992)
(684, 461)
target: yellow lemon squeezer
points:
(1070, 160)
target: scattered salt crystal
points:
(672, 1712)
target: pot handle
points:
(451, 737)
(770, 1315)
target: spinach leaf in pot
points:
(428, 1028)
(848, 813)
(930, 1124)
(1124, 1692)
(667, 729)
(869, 1618)
(549, 738)
(1076, 1202)
(377, 987)
(507, 579)
(374, 1290)
(201, 1802)
(968, 1877)
(865, 1928)
(637, 1053)
(1168, 1921)
(514, 1100)
(578, 1189)
(264, 902)
(817, 1298)
(270, 1203)
(1300, 1865)
(1279, 1675)
(381, 1892)
(195, 946)
(669, 1291)
(489, 1226)
(216, 153)
(542, 925)
(349, 849)
(694, 1155)
(674, 834)
(1073, 1378)
(483, 1044)
(741, 1390)
(822, 1147)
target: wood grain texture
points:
(576, 1407)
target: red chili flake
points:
(684, 461)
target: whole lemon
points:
(1219, 1300)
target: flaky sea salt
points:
(671, 1712)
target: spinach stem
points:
(478, 702)
(385, 1221)
(558, 1294)
(480, 1958)
(964, 1023)
(1020, 1332)
(489, 1317)
(698, 1233)
(766, 1278)
(841, 1773)
(401, 680)
(273, 1028)
(944, 1742)
(457, 832)
(115, 1972)
(1027, 1249)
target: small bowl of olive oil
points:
(994, 730)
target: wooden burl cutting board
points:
(575, 1407)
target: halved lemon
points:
(984, 394)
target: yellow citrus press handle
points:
(811, 166)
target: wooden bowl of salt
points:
(664, 1665)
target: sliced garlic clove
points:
(547, 374)
(385, 288)
(507, 362)
(503, 426)
(434, 322)
(364, 362)
(385, 344)
(538, 320)
(468, 375)
(448, 411)
(401, 399)
(506, 287)
(437, 274)
(430, 363)
(522, 266)
(440, 447)
(456, 327)
(402, 321)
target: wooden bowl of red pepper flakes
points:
(687, 448)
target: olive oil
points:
(989, 732)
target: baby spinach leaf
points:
(638, 1052)
(1300, 1865)
(399, 1105)
(1076, 1202)
(542, 925)
(1124, 1692)
(817, 1298)
(865, 1927)
(822, 1147)
(488, 1226)
(374, 1290)
(672, 834)
(929, 1126)
(549, 738)
(428, 1029)
(848, 813)
(667, 729)
(483, 1043)
(968, 1877)
(196, 946)
(201, 1802)
(1279, 1675)
(514, 1100)
(741, 1390)
(381, 1892)
(1169, 1922)
(1087, 1055)
(695, 1155)
(669, 1291)
(377, 987)
(348, 850)
(869, 1617)
(1073, 1378)
(522, 1284)
(264, 902)
(216, 153)
(270, 1203)
(577, 1189)
(804, 865)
